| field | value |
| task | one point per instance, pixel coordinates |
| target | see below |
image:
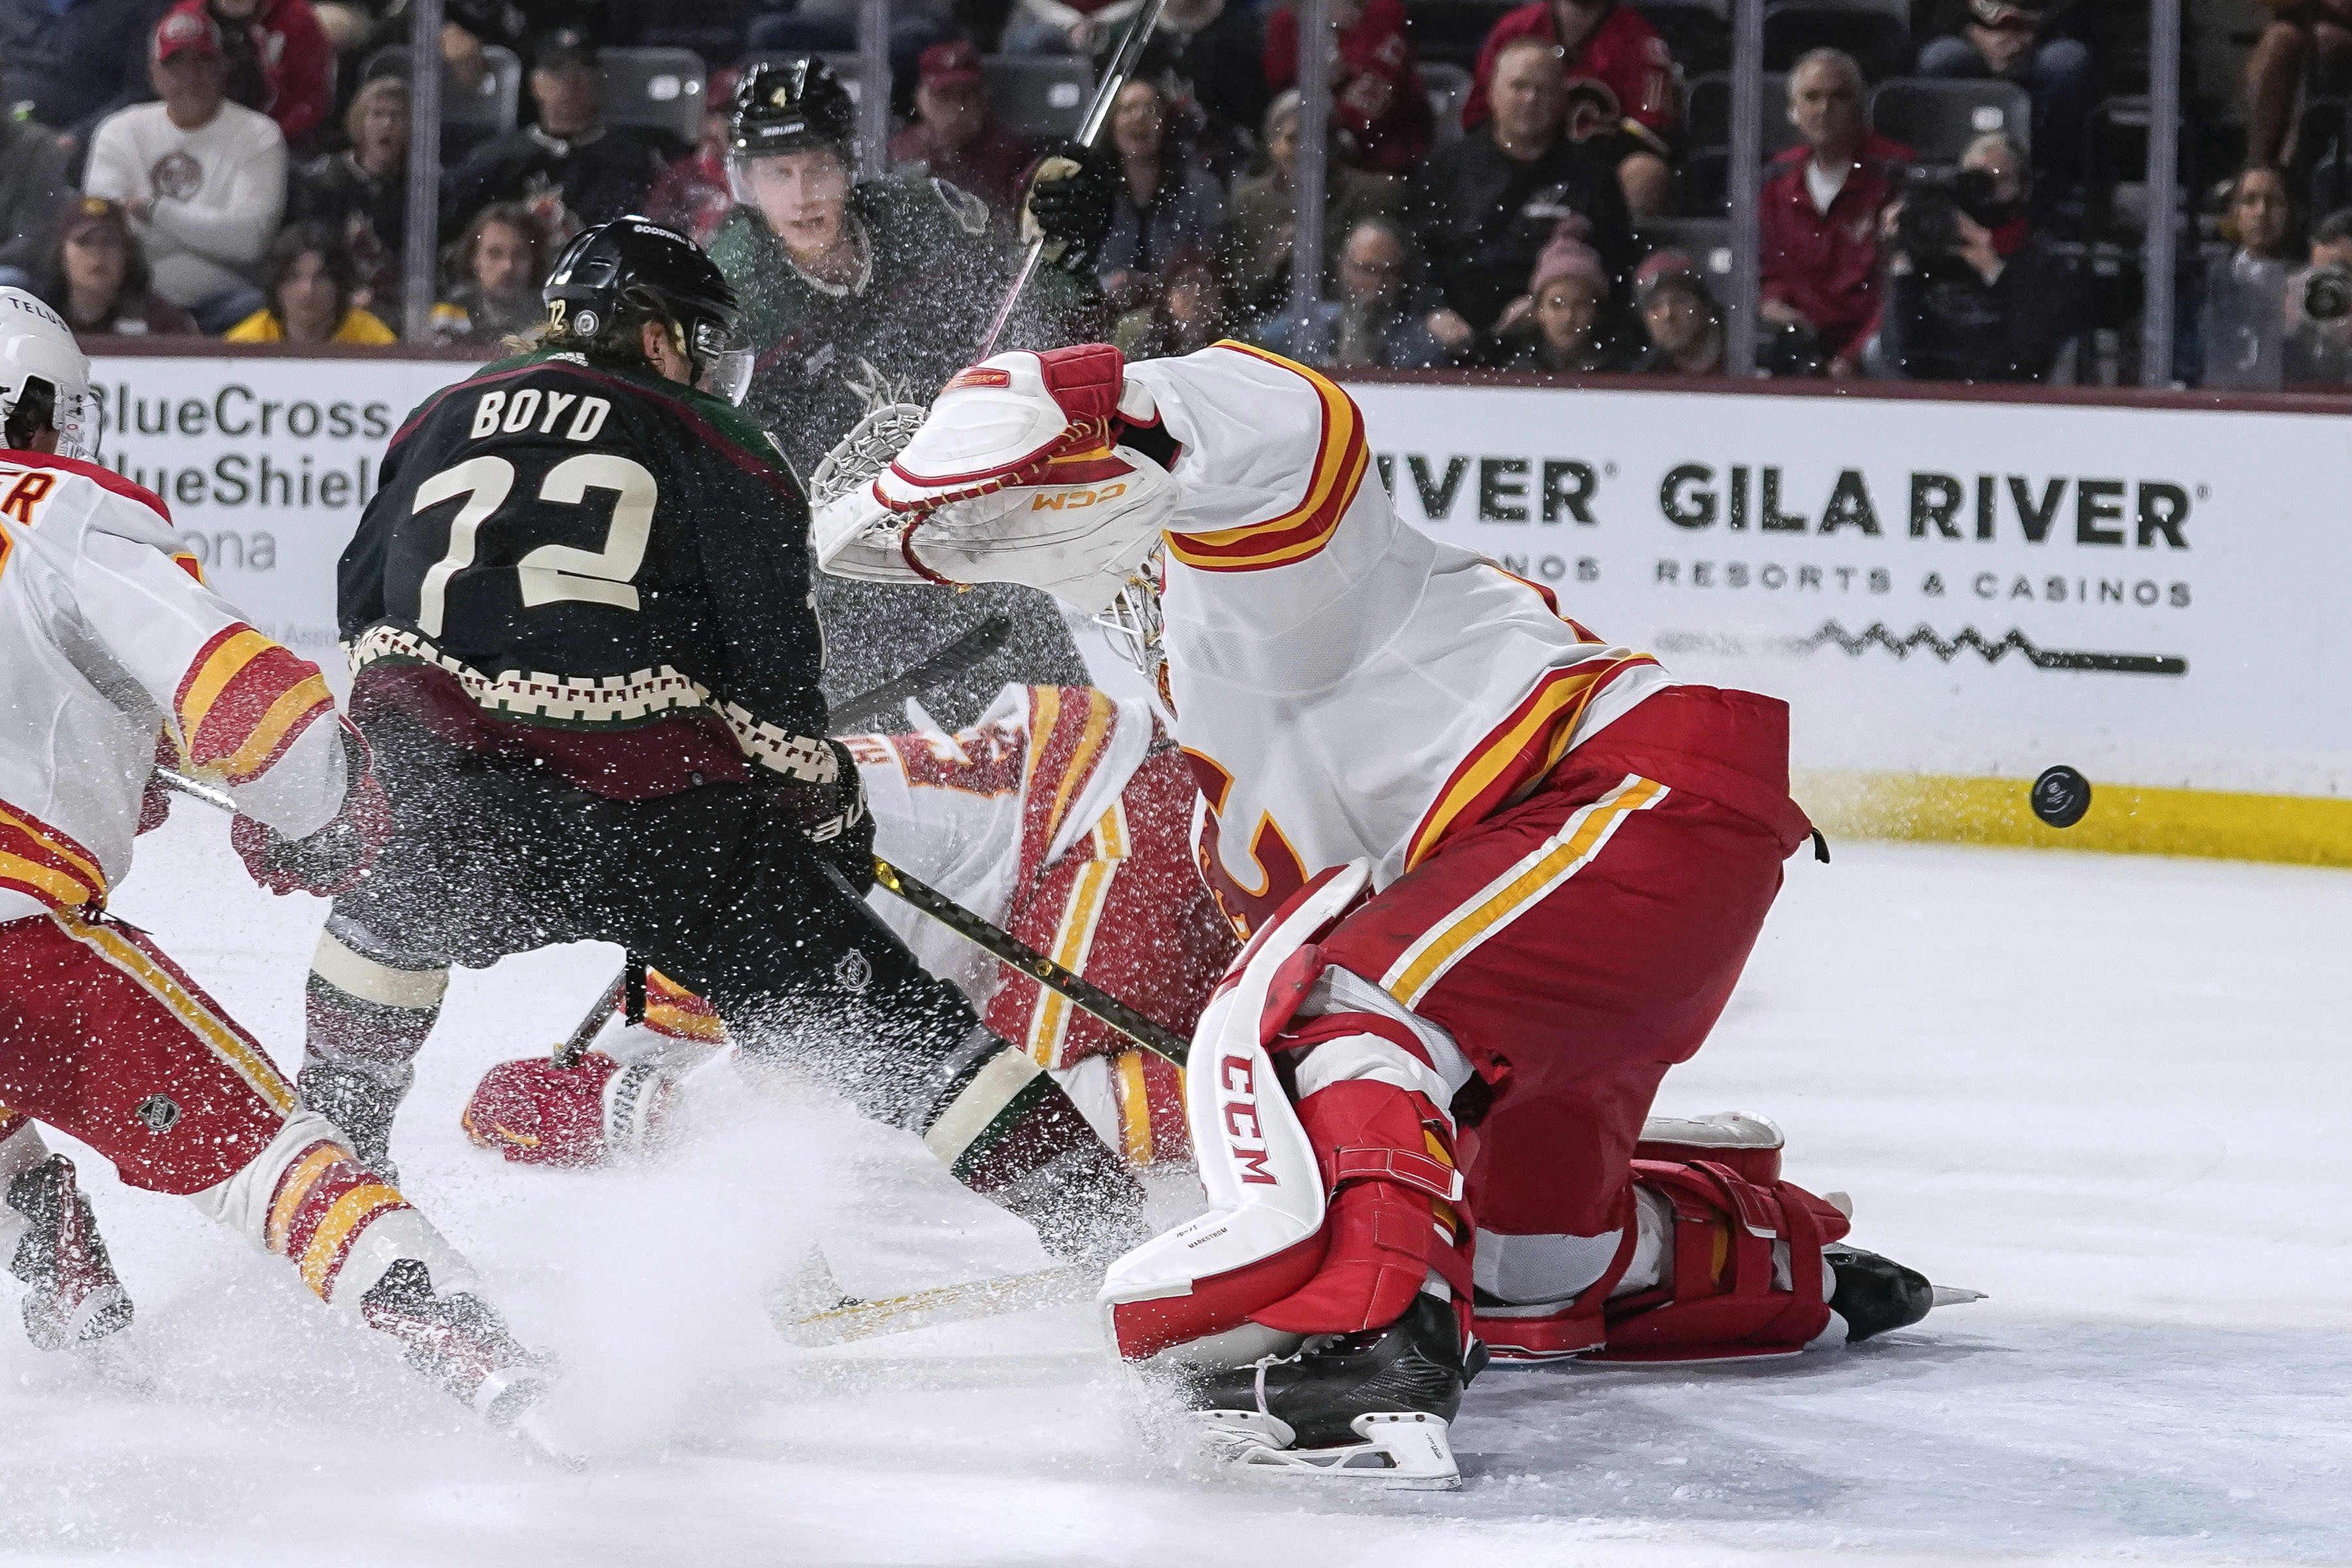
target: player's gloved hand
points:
(155, 801)
(333, 859)
(834, 818)
(536, 1112)
(1069, 205)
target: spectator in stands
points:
(1971, 293)
(76, 63)
(2006, 39)
(1680, 315)
(2305, 44)
(1378, 102)
(1607, 46)
(362, 191)
(1819, 221)
(95, 275)
(279, 61)
(202, 179)
(692, 195)
(1373, 323)
(1562, 325)
(1483, 207)
(499, 261)
(310, 284)
(1214, 51)
(955, 131)
(2319, 308)
(1193, 309)
(1065, 26)
(1164, 207)
(33, 174)
(571, 167)
(2241, 322)
(1263, 216)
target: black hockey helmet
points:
(790, 106)
(635, 262)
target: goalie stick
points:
(1006, 948)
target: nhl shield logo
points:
(855, 970)
(159, 1112)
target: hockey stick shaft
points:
(1122, 65)
(575, 1046)
(1011, 951)
(1082, 993)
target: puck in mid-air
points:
(2059, 797)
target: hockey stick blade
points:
(855, 1319)
(955, 658)
(1081, 993)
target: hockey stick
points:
(1122, 65)
(1011, 951)
(1147, 1032)
(953, 659)
(855, 1319)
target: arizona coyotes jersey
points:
(109, 639)
(1345, 687)
(1064, 817)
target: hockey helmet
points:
(36, 345)
(790, 106)
(600, 270)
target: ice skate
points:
(460, 1341)
(1371, 1408)
(73, 1298)
(1875, 1294)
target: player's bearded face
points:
(805, 197)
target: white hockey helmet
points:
(35, 345)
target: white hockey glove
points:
(1011, 478)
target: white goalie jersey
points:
(108, 640)
(1345, 687)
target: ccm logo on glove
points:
(1074, 500)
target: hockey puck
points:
(2059, 797)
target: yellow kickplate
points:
(2124, 819)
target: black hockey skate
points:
(73, 1298)
(1875, 1294)
(460, 1341)
(1371, 1407)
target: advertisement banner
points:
(1955, 591)
(265, 464)
(1968, 588)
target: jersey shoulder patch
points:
(968, 211)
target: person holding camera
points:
(1973, 293)
(2318, 350)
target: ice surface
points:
(2110, 1091)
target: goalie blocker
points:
(1419, 1098)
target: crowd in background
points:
(238, 168)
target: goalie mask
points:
(39, 361)
(1013, 476)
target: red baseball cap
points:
(953, 61)
(185, 27)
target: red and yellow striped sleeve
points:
(37, 860)
(1341, 458)
(243, 702)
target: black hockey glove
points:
(834, 819)
(1069, 205)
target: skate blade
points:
(538, 1442)
(1404, 1451)
(1953, 1296)
(114, 1363)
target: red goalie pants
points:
(103, 1037)
(1579, 945)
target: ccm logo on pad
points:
(1074, 500)
(1237, 1087)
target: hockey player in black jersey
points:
(578, 620)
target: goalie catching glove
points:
(1027, 470)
